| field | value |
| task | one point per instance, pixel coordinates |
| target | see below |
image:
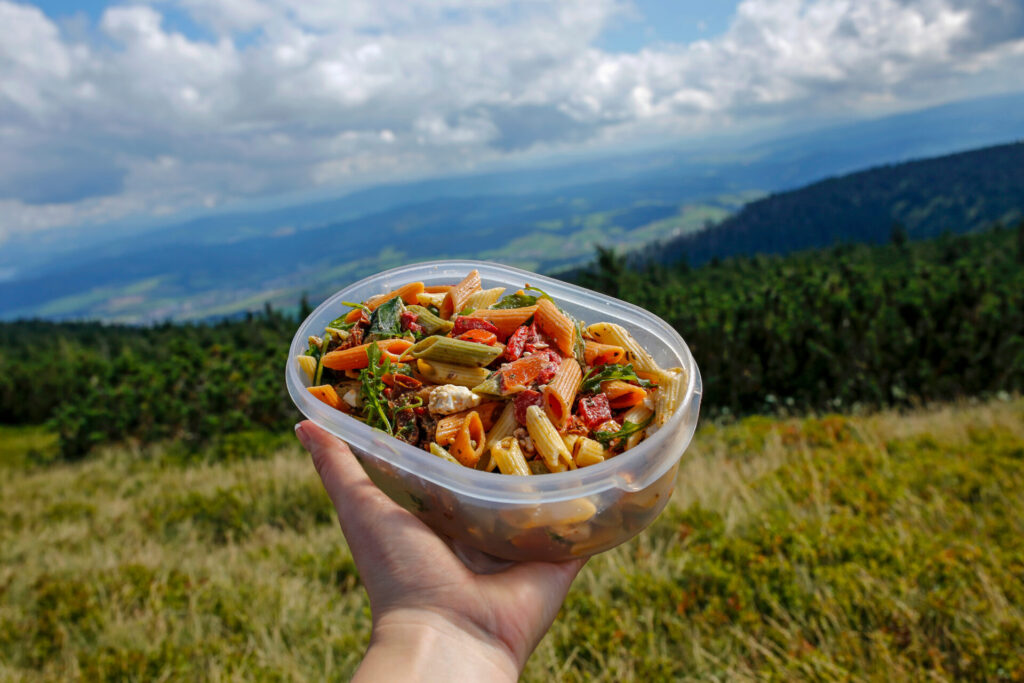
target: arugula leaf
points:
(523, 300)
(592, 380)
(386, 320)
(372, 390)
(628, 428)
(339, 322)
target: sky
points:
(145, 110)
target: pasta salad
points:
(511, 383)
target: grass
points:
(881, 547)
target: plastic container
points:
(542, 517)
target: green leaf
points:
(375, 406)
(386, 321)
(517, 300)
(603, 373)
(628, 428)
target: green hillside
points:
(956, 193)
(879, 548)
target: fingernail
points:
(300, 432)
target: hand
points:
(433, 616)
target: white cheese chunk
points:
(450, 398)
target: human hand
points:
(434, 617)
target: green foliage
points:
(842, 327)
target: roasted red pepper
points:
(408, 322)
(516, 342)
(525, 399)
(464, 323)
(594, 410)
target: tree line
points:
(827, 329)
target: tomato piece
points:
(464, 323)
(479, 336)
(594, 410)
(525, 399)
(408, 321)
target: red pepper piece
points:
(594, 410)
(516, 342)
(464, 323)
(525, 399)
(408, 321)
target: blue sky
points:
(148, 109)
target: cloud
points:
(131, 117)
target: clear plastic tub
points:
(543, 517)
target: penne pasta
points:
(308, 365)
(671, 387)
(506, 320)
(588, 452)
(622, 394)
(449, 425)
(616, 335)
(447, 373)
(456, 297)
(355, 357)
(328, 395)
(431, 323)
(469, 442)
(596, 353)
(455, 351)
(427, 299)
(484, 298)
(547, 441)
(638, 414)
(439, 451)
(556, 325)
(502, 427)
(560, 393)
(509, 457)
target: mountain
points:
(537, 218)
(956, 193)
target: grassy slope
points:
(886, 546)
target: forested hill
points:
(957, 193)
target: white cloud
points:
(281, 95)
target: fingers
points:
(356, 499)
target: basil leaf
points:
(628, 428)
(375, 406)
(592, 380)
(515, 301)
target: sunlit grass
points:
(889, 546)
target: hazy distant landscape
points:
(546, 220)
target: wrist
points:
(423, 645)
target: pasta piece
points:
(484, 298)
(449, 425)
(440, 452)
(622, 394)
(308, 365)
(468, 445)
(561, 391)
(509, 457)
(431, 323)
(570, 441)
(610, 333)
(407, 292)
(327, 394)
(565, 512)
(588, 452)
(669, 395)
(638, 414)
(456, 298)
(447, 373)
(502, 427)
(355, 357)
(426, 300)
(455, 351)
(596, 353)
(507, 320)
(547, 441)
(556, 325)
(437, 289)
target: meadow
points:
(882, 546)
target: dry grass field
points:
(882, 547)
